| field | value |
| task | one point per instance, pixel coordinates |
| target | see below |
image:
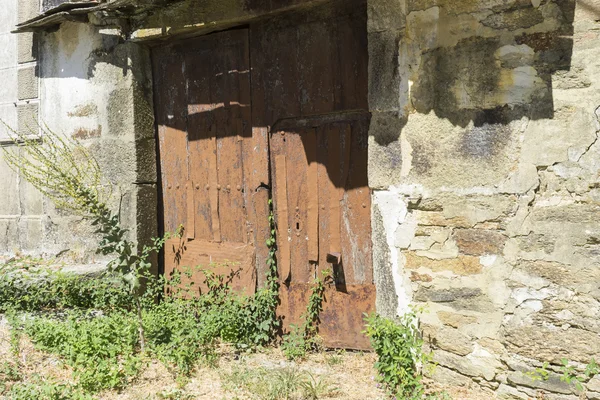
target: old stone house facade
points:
(432, 152)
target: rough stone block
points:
(463, 298)
(510, 393)
(120, 113)
(385, 152)
(9, 192)
(384, 78)
(448, 339)
(28, 83)
(482, 365)
(553, 384)
(446, 295)
(26, 47)
(437, 218)
(593, 384)
(448, 376)
(30, 234)
(523, 18)
(386, 301)
(27, 115)
(478, 242)
(28, 9)
(145, 151)
(455, 320)
(386, 15)
(8, 234)
(461, 265)
(117, 159)
(553, 344)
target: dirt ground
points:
(344, 375)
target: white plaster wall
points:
(8, 64)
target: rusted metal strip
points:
(313, 196)
(335, 246)
(313, 121)
(213, 182)
(282, 216)
(346, 134)
(191, 211)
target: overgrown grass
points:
(28, 285)
(285, 383)
(86, 324)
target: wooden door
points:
(323, 209)
(207, 158)
(309, 83)
(299, 115)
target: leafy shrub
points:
(101, 349)
(41, 389)
(47, 289)
(399, 347)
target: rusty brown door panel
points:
(293, 126)
(206, 149)
(322, 203)
(309, 83)
(232, 261)
(310, 63)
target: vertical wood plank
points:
(199, 121)
(172, 137)
(282, 216)
(312, 228)
(213, 191)
(324, 195)
(356, 231)
(190, 225)
(297, 195)
(334, 193)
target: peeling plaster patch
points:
(488, 260)
(523, 294)
(406, 156)
(400, 227)
(534, 305)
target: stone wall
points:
(90, 91)
(21, 210)
(484, 165)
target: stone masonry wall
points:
(90, 91)
(21, 209)
(485, 165)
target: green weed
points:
(399, 347)
(43, 389)
(287, 383)
(304, 338)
